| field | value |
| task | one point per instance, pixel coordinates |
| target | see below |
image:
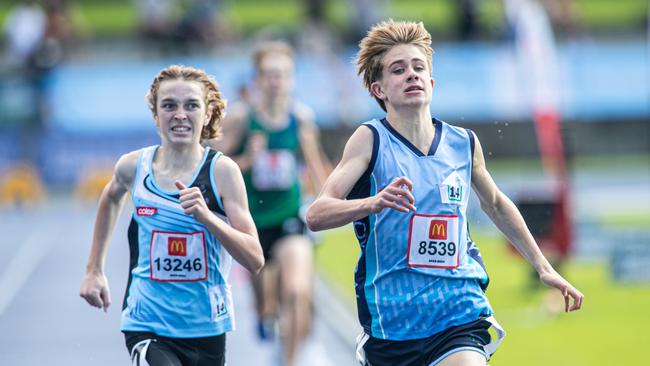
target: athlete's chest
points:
(166, 178)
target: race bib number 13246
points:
(178, 256)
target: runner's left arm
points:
(240, 236)
(505, 215)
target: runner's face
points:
(406, 79)
(181, 112)
(275, 75)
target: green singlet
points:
(272, 182)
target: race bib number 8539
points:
(178, 256)
(433, 241)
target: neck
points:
(181, 157)
(274, 107)
(413, 124)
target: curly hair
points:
(381, 38)
(213, 99)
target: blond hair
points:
(381, 38)
(213, 100)
(270, 47)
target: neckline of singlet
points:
(434, 144)
(187, 184)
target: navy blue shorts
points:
(271, 235)
(165, 351)
(430, 350)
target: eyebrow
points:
(195, 100)
(401, 61)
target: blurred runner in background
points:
(267, 136)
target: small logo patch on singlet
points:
(146, 211)
(452, 189)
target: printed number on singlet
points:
(274, 170)
(221, 302)
(433, 241)
(178, 256)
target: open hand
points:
(568, 291)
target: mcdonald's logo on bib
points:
(438, 230)
(177, 246)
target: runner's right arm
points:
(331, 209)
(94, 287)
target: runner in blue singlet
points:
(190, 216)
(404, 183)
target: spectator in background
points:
(39, 37)
(157, 19)
(24, 31)
(562, 14)
(364, 14)
(467, 19)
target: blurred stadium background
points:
(73, 75)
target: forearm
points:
(107, 212)
(327, 213)
(245, 248)
(508, 219)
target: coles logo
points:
(145, 211)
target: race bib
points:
(274, 170)
(178, 257)
(433, 241)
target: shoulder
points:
(302, 111)
(126, 166)
(225, 168)
(239, 109)
(228, 177)
(362, 142)
(304, 114)
(128, 162)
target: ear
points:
(433, 83)
(375, 89)
(208, 116)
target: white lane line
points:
(30, 253)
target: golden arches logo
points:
(438, 229)
(177, 246)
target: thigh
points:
(460, 345)
(464, 358)
(294, 256)
(149, 349)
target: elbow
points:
(313, 221)
(257, 264)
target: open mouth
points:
(412, 89)
(181, 129)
